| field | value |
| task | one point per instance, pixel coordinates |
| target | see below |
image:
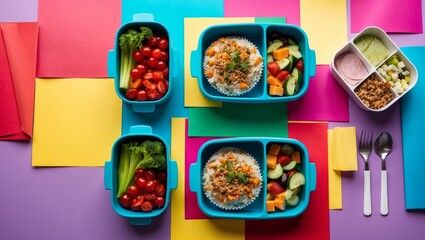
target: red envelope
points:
(18, 55)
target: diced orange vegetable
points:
(210, 52)
(272, 80)
(270, 206)
(209, 73)
(279, 204)
(296, 157)
(243, 85)
(222, 161)
(258, 61)
(275, 90)
(280, 196)
(268, 186)
(271, 161)
(281, 53)
(135, 83)
(275, 149)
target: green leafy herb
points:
(241, 177)
(236, 62)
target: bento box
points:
(140, 175)
(143, 74)
(373, 71)
(253, 178)
(253, 63)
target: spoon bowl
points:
(383, 146)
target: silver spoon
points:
(383, 145)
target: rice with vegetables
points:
(233, 65)
(231, 179)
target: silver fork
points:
(365, 148)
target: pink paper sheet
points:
(269, 8)
(325, 100)
(21, 40)
(75, 37)
(394, 16)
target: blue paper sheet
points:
(413, 130)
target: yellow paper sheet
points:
(193, 28)
(345, 149)
(325, 23)
(205, 229)
(76, 121)
(334, 177)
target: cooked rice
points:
(231, 179)
(233, 65)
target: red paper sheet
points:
(9, 120)
(20, 40)
(269, 8)
(394, 16)
(75, 37)
(316, 217)
(325, 100)
(314, 222)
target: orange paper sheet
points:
(20, 43)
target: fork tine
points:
(371, 139)
(361, 139)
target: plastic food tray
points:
(351, 47)
(138, 133)
(257, 148)
(257, 34)
(139, 20)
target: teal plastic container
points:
(257, 34)
(257, 147)
(137, 133)
(147, 20)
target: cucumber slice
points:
(270, 58)
(275, 173)
(291, 41)
(291, 165)
(299, 79)
(294, 50)
(291, 63)
(293, 200)
(297, 179)
(290, 86)
(289, 193)
(287, 149)
(283, 64)
(274, 45)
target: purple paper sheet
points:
(399, 224)
(18, 10)
(61, 203)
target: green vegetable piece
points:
(394, 60)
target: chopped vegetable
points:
(129, 42)
(148, 154)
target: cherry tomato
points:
(142, 68)
(138, 56)
(300, 65)
(153, 94)
(147, 76)
(142, 95)
(150, 174)
(164, 56)
(131, 94)
(273, 67)
(162, 87)
(153, 41)
(135, 73)
(157, 76)
(152, 62)
(147, 206)
(159, 202)
(160, 190)
(151, 186)
(282, 75)
(166, 72)
(161, 65)
(140, 172)
(132, 191)
(136, 203)
(141, 182)
(149, 85)
(146, 51)
(156, 53)
(162, 176)
(125, 201)
(150, 196)
(163, 44)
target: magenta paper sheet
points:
(325, 100)
(269, 8)
(394, 16)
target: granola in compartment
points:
(374, 92)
